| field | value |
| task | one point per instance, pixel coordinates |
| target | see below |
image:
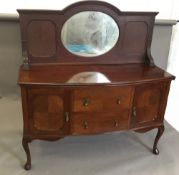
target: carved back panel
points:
(41, 35)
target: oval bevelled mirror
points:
(89, 33)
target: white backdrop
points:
(168, 8)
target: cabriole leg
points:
(159, 134)
(25, 145)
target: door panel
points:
(147, 103)
(47, 110)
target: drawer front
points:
(99, 123)
(102, 99)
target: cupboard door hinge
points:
(67, 118)
(86, 125)
(134, 111)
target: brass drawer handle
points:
(86, 126)
(86, 102)
(118, 101)
(134, 111)
(116, 124)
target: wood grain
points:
(133, 98)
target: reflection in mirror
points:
(89, 33)
(88, 77)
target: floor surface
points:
(125, 153)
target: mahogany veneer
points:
(61, 94)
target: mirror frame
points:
(102, 50)
(84, 6)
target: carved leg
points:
(159, 134)
(25, 145)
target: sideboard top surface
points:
(109, 74)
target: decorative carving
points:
(150, 60)
(26, 65)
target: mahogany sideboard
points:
(87, 70)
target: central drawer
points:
(101, 99)
(92, 123)
(100, 109)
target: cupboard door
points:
(147, 104)
(47, 111)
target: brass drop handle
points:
(67, 118)
(86, 125)
(134, 112)
(86, 102)
(116, 124)
(118, 101)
